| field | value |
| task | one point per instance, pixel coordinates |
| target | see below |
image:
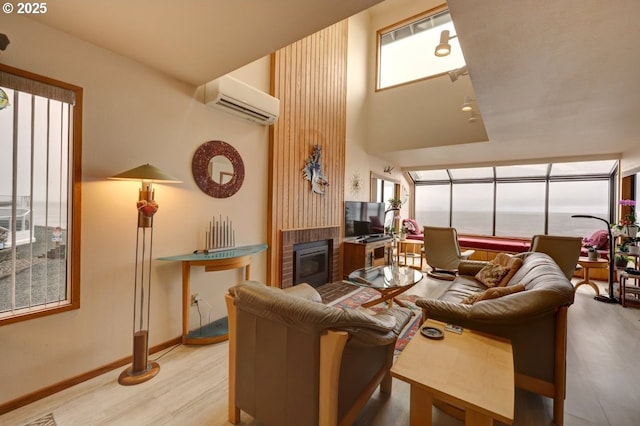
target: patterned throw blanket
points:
(362, 295)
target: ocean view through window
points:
(525, 201)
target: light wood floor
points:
(603, 384)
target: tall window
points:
(520, 209)
(405, 50)
(40, 141)
(529, 199)
(432, 204)
(567, 198)
(473, 208)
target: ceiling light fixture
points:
(473, 117)
(444, 48)
(466, 106)
(455, 74)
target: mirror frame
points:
(377, 176)
(200, 168)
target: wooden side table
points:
(471, 371)
(632, 290)
(588, 264)
(410, 250)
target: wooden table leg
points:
(473, 418)
(420, 407)
(186, 299)
(386, 295)
(587, 280)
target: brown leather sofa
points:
(535, 320)
(295, 361)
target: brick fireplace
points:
(301, 236)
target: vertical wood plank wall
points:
(309, 77)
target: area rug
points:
(361, 295)
(46, 420)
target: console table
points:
(219, 260)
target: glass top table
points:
(389, 281)
(212, 261)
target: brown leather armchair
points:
(295, 361)
(565, 251)
(442, 251)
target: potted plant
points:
(395, 203)
(628, 223)
(621, 260)
(403, 233)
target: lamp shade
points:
(146, 172)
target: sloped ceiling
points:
(552, 79)
(196, 40)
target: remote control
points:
(454, 328)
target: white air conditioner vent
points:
(238, 98)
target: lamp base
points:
(128, 377)
(141, 370)
(605, 299)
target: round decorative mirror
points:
(218, 169)
(221, 169)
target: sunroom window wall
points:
(518, 201)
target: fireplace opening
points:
(311, 263)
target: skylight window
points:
(405, 50)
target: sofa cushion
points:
(492, 274)
(463, 286)
(493, 293)
(412, 226)
(508, 261)
(599, 240)
(511, 245)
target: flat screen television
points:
(363, 218)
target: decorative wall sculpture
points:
(312, 171)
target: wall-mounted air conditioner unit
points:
(236, 97)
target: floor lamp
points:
(603, 298)
(141, 369)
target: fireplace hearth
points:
(329, 235)
(311, 263)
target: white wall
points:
(132, 115)
(359, 89)
(630, 162)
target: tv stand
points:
(359, 254)
(375, 237)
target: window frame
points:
(548, 178)
(379, 33)
(74, 178)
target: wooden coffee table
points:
(471, 371)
